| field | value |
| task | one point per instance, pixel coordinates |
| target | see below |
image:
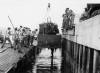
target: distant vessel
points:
(48, 32)
(50, 38)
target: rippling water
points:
(42, 65)
(43, 61)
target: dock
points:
(10, 57)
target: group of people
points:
(86, 14)
(21, 37)
(68, 18)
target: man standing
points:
(72, 17)
(1, 37)
(7, 37)
(16, 38)
(20, 32)
(66, 19)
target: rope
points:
(4, 50)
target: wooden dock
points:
(10, 57)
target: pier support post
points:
(88, 61)
(94, 61)
(52, 50)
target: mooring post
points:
(52, 50)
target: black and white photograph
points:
(49, 36)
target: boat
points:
(82, 49)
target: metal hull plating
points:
(82, 49)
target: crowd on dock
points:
(19, 37)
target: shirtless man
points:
(7, 37)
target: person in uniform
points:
(33, 36)
(1, 37)
(20, 28)
(7, 37)
(20, 31)
(23, 39)
(96, 12)
(28, 36)
(71, 16)
(85, 15)
(66, 19)
(34, 42)
(16, 38)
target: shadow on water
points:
(25, 65)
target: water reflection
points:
(43, 61)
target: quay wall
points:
(82, 50)
(88, 32)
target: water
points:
(41, 65)
(43, 62)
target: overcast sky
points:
(32, 12)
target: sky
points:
(33, 12)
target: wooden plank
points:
(10, 57)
